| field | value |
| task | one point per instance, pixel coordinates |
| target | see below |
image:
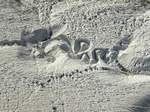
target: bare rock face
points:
(36, 36)
(136, 57)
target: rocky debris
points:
(10, 42)
(136, 57)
